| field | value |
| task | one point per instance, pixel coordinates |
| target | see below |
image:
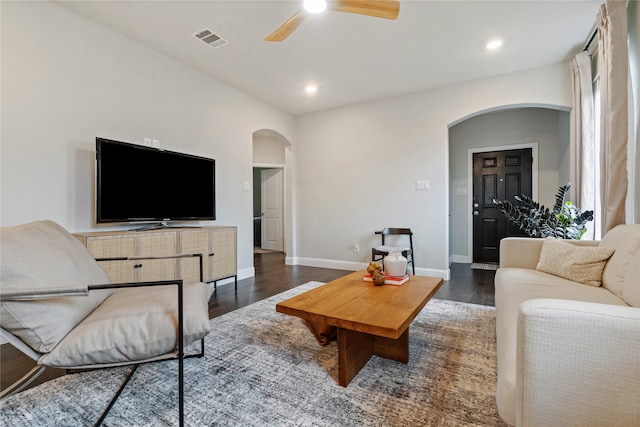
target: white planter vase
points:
(395, 264)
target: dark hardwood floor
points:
(272, 277)
(468, 285)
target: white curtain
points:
(613, 64)
(584, 149)
(597, 211)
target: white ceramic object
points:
(395, 264)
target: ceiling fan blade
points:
(287, 28)
(387, 9)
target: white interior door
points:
(272, 209)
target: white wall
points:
(66, 80)
(357, 165)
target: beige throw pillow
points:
(582, 264)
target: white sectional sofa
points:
(568, 352)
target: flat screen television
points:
(140, 183)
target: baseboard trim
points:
(462, 259)
(353, 266)
(245, 273)
(331, 263)
(242, 274)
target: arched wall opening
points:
(272, 155)
(543, 128)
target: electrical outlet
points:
(356, 248)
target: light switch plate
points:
(422, 184)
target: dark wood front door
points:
(499, 175)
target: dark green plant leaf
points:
(562, 191)
(566, 221)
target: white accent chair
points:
(59, 308)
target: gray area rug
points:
(263, 368)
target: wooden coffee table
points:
(371, 320)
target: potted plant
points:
(565, 221)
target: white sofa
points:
(569, 353)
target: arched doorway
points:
(543, 128)
(271, 192)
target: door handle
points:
(475, 205)
(476, 213)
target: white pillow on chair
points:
(42, 255)
(134, 324)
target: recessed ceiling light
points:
(493, 44)
(311, 89)
(315, 6)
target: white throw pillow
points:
(582, 264)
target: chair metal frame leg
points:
(130, 375)
(180, 354)
(235, 283)
(23, 382)
(113, 401)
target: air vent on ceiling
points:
(210, 38)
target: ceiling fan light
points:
(315, 6)
(494, 44)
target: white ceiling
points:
(353, 58)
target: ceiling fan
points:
(387, 9)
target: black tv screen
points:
(140, 183)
